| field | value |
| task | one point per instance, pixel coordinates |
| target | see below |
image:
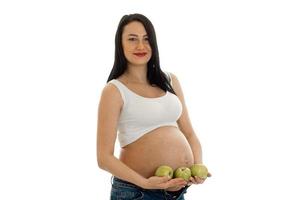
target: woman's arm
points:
(108, 114)
(185, 124)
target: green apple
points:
(199, 170)
(183, 172)
(164, 170)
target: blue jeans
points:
(123, 190)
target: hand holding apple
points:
(164, 182)
(199, 170)
(196, 174)
(199, 174)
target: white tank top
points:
(140, 115)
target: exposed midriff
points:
(165, 145)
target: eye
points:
(147, 39)
(132, 39)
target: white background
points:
(238, 64)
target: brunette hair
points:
(154, 73)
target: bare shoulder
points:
(111, 96)
(177, 87)
(175, 82)
(173, 76)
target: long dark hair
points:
(154, 74)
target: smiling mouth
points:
(140, 54)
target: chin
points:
(139, 63)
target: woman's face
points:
(136, 47)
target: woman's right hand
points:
(165, 182)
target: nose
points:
(140, 45)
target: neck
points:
(136, 73)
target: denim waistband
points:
(119, 182)
(115, 180)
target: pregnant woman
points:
(144, 107)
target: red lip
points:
(140, 54)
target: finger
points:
(192, 179)
(178, 179)
(190, 183)
(209, 174)
(174, 188)
(199, 180)
(176, 182)
(165, 179)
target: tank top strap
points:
(120, 87)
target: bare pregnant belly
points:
(163, 146)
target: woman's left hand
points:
(197, 180)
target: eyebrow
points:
(131, 34)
